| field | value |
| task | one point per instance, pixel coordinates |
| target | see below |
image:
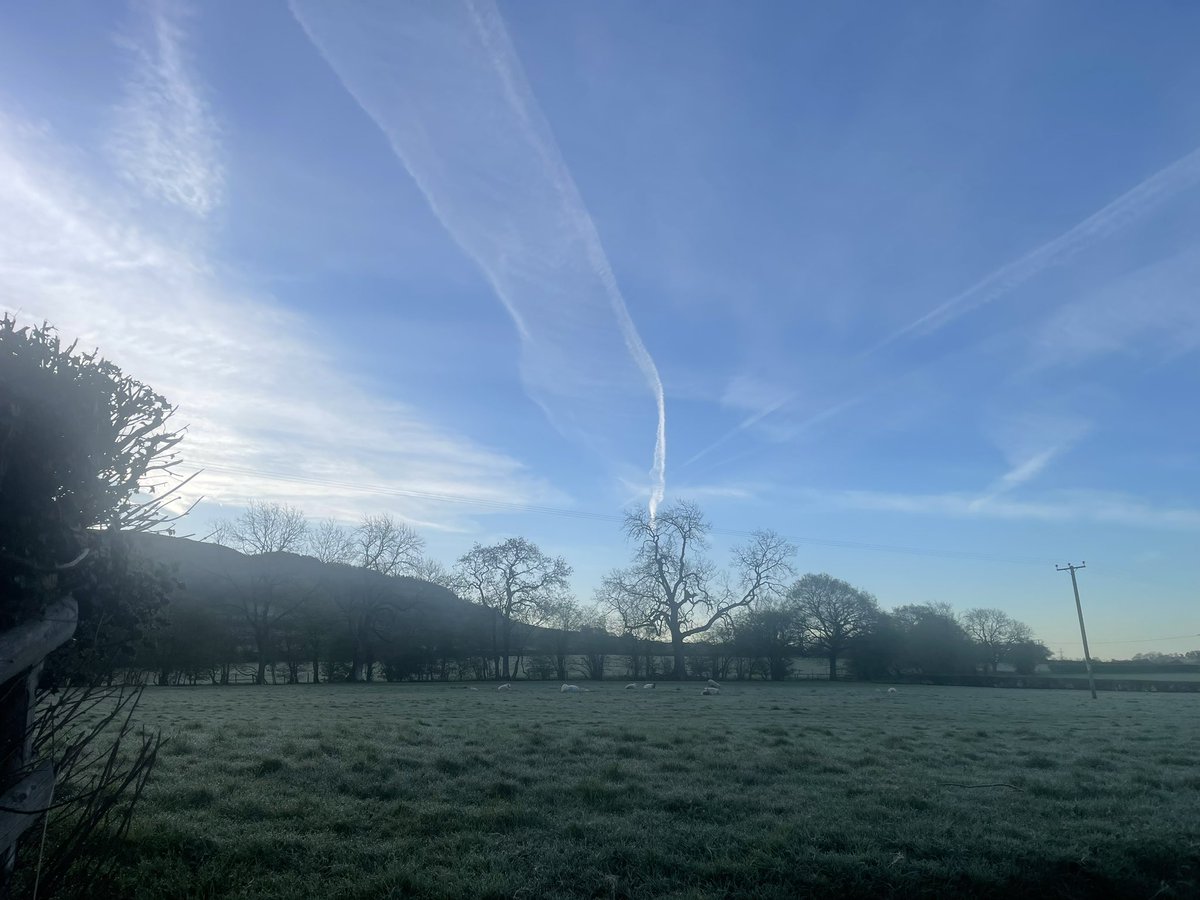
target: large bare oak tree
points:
(516, 580)
(672, 587)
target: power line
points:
(510, 506)
(893, 548)
(1174, 637)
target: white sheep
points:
(631, 687)
(892, 691)
(504, 687)
(709, 691)
(569, 689)
(648, 687)
(713, 684)
(472, 689)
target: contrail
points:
(740, 427)
(443, 82)
(1182, 174)
(1135, 203)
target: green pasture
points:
(800, 789)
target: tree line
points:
(373, 606)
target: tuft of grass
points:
(269, 765)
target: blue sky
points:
(917, 282)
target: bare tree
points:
(994, 631)
(514, 579)
(329, 542)
(264, 528)
(429, 569)
(264, 601)
(382, 546)
(671, 586)
(565, 617)
(222, 534)
(388, 547)
(370, 610)
(594, 641)
(832, 614)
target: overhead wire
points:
(512, 506)
(587, 515)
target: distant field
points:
(1140, 676)
(767, 791)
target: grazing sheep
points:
(472, 689)
(569, 689)
(504, 687)
(709, 691)
(892, 691)
(631, 687)
(713, 684)
(648, 687)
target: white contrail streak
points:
(1135, 203)
(443, 82)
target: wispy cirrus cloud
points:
(269, 410)
(1027, 470)
(1023, 472)
(165, 138)
(753, 396)
(444, 83)
(780, 431)
(1152, 311)
(1097, 507)
(1030, 441)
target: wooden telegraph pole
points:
(1087, 657)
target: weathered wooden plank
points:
(32, 793)
(27, 644)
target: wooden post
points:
(22, 652)
(30, 795)
(1087, 656)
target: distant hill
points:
(220, 578)
(212, 574)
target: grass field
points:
(767, 790)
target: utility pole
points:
(1087, 657)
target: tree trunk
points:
(316, 664)
(261, 676)
(833, 665)
(680, 664)
(506, 633)
(495, 646)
